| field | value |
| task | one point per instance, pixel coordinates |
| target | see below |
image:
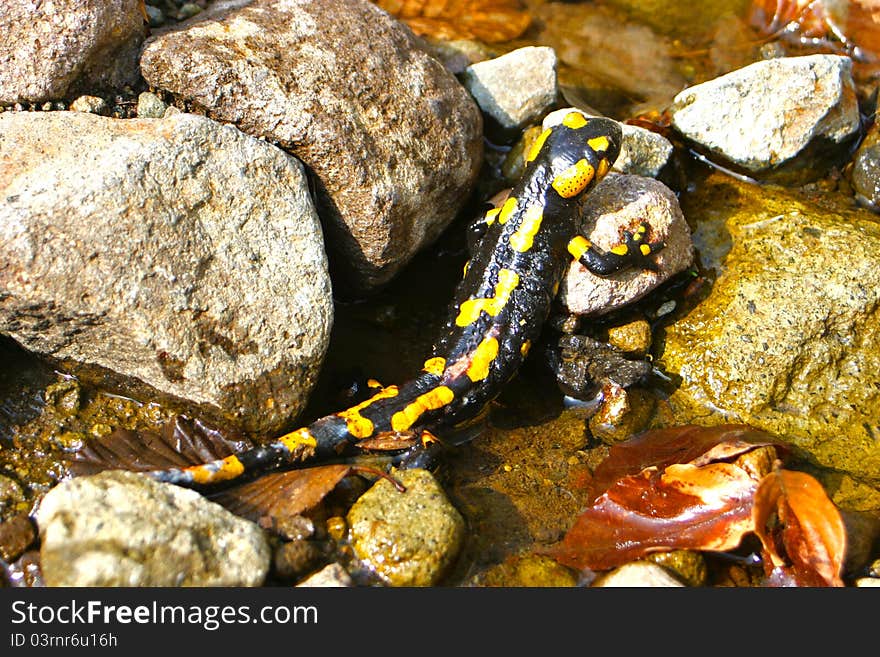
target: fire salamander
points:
(522, 250)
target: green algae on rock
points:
(788, 340)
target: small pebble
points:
(90, 105)
(633, 339)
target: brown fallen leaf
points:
(489, 21)
(180, 443)
(682, 506)
(282, 494)
(663, 447)
(803, 534)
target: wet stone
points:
(632, 338)
(12, 498)
(295, 559)
(763, 116)
(865, 174)
(530, 570)
(16, 536)
(688, 565)
(329, 576)
(408, 538)
(638, 574)
(123, 529)
(788, 340)
(515, 89)
(623, 414)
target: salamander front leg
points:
(634, 251)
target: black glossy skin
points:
(516, 323)
(540, 268)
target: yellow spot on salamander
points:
(538, 145)
(507, 210)
(435, 366)
(645, 249)
(524, 236)
(429, 401)
(465, 268)
(599, 144)
(296, 439)
(574, 120)
(620, 249)
(230, 468)
(491, 216)
(524, 349)
(470, 309)
(602, 167)
(574, 179)
(482, 359)
(359, 426)
(578, 246)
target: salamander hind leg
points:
(635, 251)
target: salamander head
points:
(578, 152)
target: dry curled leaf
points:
(489, 21)
(803, 534)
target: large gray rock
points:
(395, 141)
(181, 256)
(55, 48)
(622, 202)
(764, 115)
(123, 529)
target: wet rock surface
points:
(761, 117)
(58, 47)
(866, 170)
(392, 137)
(409, 538)
(123, 529)
(638, 574)
(152, 249)
(787, 341)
